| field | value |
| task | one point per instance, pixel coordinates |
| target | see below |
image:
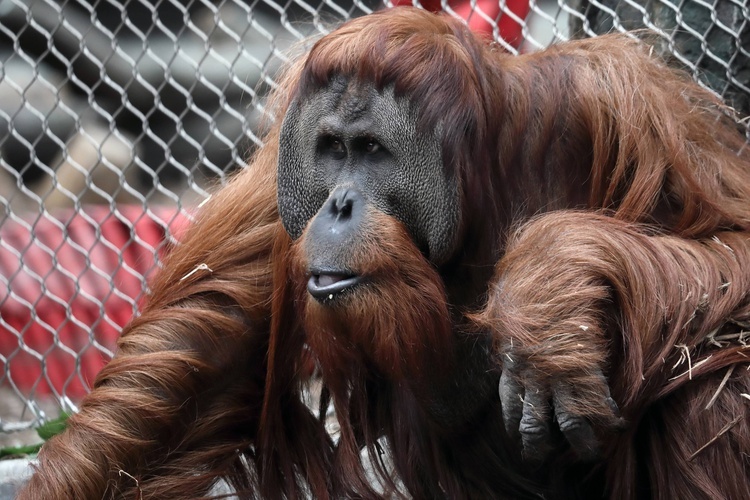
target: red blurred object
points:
(510, 29)
(69, 282)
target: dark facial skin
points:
(348, 149)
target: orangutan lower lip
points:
(326, 285)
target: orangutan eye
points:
(372, 146)
(332, 145)
(335, 145)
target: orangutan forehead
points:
(354, 98)
(349, 100)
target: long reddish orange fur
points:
(666, 315)
(206, 382)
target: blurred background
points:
(117, 118)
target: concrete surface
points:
(13, 473)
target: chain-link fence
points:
(116, 117)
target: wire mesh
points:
(116, 117)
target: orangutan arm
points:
(584, 304)
(182, 397)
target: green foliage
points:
(53, 427)
(45, 431)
